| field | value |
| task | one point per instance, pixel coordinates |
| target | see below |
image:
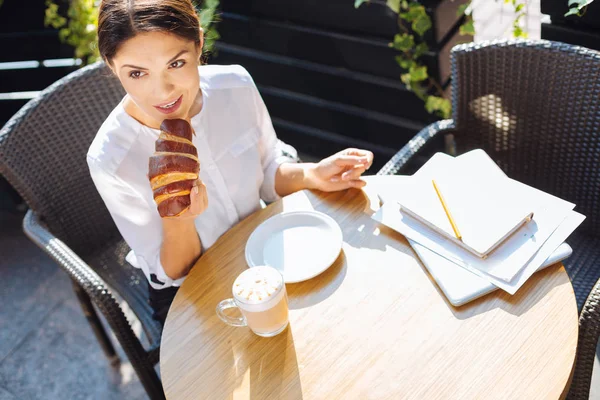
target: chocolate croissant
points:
(173, 168)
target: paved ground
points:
(47, 349)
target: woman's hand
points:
(181, 244)
(340, 171)
(198, 202)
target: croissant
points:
(173, 168)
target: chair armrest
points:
(415, 146)
(589, 332)
(82, 274)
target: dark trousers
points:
(160, 301)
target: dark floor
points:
(47, 349)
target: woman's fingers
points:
(198, 198)
(354, 183)
(204, 194)
(346, 160)
(364, 154)
(354, 173)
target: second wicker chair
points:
(534, 107)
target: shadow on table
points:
(272, 375)
(521, 302)
(314, 291)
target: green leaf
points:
(446, 109)
(414, 11)
(394, 5)
(438, 104)
(418, 73)
(421, 24)
(519, 7)
(433, 103)
(420, 49)
(518, 32)
(461, 9)
(468, 28)
(405, 78)
(404, 42)
(63, 35)
(358, 3)
(418, 90)
(404, 63)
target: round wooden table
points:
(373, 326)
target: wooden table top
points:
(373, 326)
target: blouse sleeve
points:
(273, 152)
(138, 223)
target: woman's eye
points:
(136, 74)
(177, 64)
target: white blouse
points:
(238, 153)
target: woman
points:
(154, 48)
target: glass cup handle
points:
(233, 321)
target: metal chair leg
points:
(97, 327)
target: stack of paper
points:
(498, 243)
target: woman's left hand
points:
(340, 171)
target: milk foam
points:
(258, 288)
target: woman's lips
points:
(171, 109)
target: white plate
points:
(300, 244)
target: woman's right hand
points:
(181, 245)
(198, 202)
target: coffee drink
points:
(260, 294)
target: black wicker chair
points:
(42, 155)
(534, 107)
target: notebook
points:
(485, 209)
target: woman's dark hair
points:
(120, 20)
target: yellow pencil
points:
(454, 227)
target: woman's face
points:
(159, 71)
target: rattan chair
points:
(534, 107)
(43, 156)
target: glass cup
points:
(259, 293)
